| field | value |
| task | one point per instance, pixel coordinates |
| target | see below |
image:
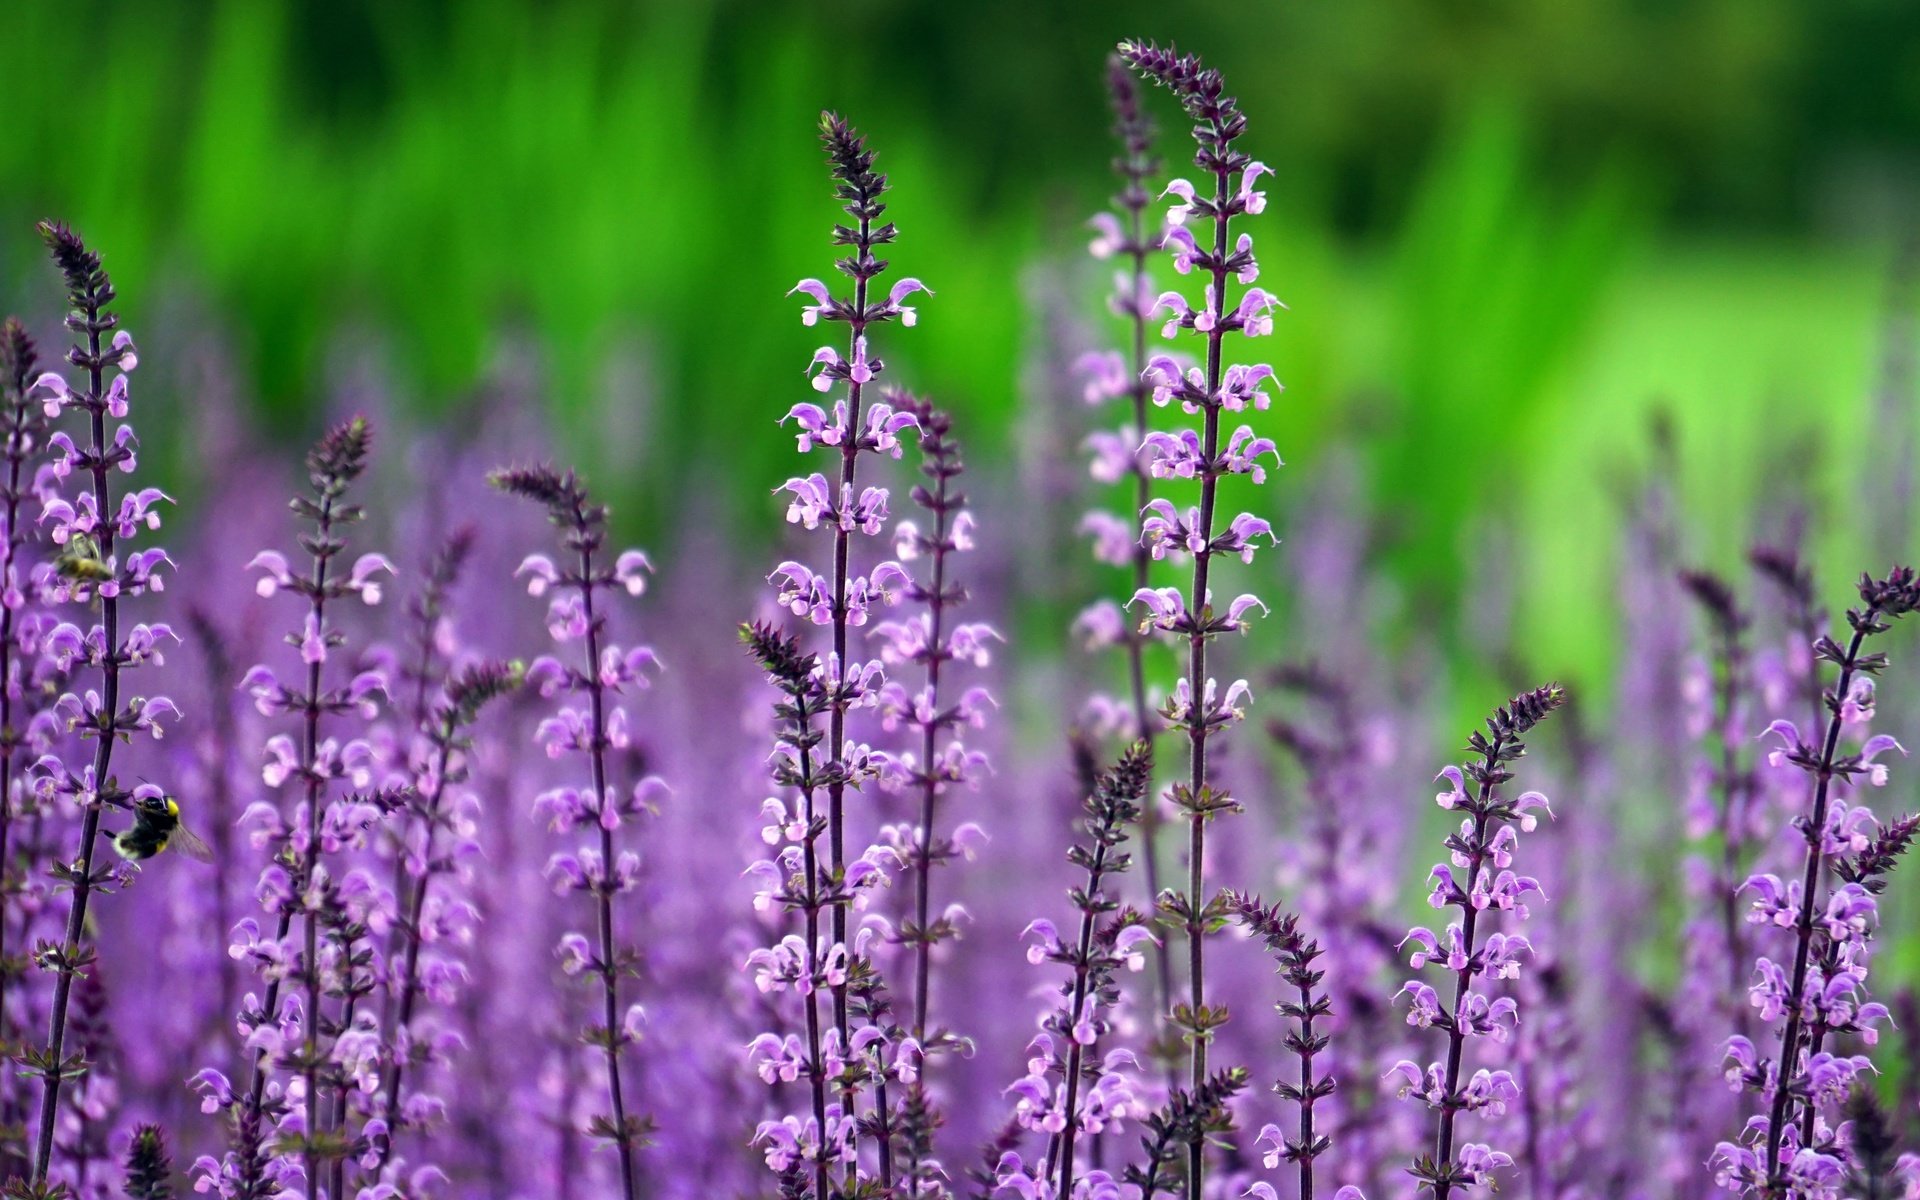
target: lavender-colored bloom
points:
(1118, 454)
(941, 760)
(25, 426)
(94, 563)
(291, 1118)
(1790, 1148)
(1069, 1088)
(840, 598)
(436, 841)
(581, 584)
(1726, 778)
(1207, 391)
(1467, 955)
(796, 1146)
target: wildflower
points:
(602, 674)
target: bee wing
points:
(188, 843)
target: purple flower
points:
(1467, 952)
(88, 569)
(1818, 991)
(602, 674)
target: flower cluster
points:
(1070, 1088)
(435, 840)
(1466, 953)
(1818, 992)
(1124, 236)
(311, 1041)
(1201, 454)
(96, 561)
(600, 675)
(933, 718)
(864, 1047)
(22, 725)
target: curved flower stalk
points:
(931, 639)
(1196, 706)
(1484, 849)
(439, 842)
(1789, 1149)
(24, 427)
(1295, 953)
(1068, 1090)
(1123, 235)
(841, 598)
(602, 674)
(94, 534)
(300, 1055)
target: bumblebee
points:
(156, 827)
(79, 560)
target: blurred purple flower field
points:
(541, 866)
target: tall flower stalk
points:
(301, 1057)
(1196, 705)
(582, 583)
(931, 640)
(795, 880)
(1123, 235)
(95, 564)
(1091, 1093)
(1483, 848)
(439, 844)
(840, 598)
(1788, 1150)
(24, 427)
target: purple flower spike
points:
(599, 871)
(309, 1048)
(1793, 1146)
(90, 568)
(1467, 953)
(1203, 241)
(823, 765)
(941, 761)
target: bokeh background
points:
(1517, 239)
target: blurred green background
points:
(1509, 232)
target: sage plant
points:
(1196, 704)
(438, 843)
(1789, 1148)
(96, 563)
(24, 426)
(841, 597)
(284, 1126)
(1474, 958)
(582, 583)
(931, 639)
(1091, 1092)
(149, 1168)
(794, 878)
(1123, 235)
